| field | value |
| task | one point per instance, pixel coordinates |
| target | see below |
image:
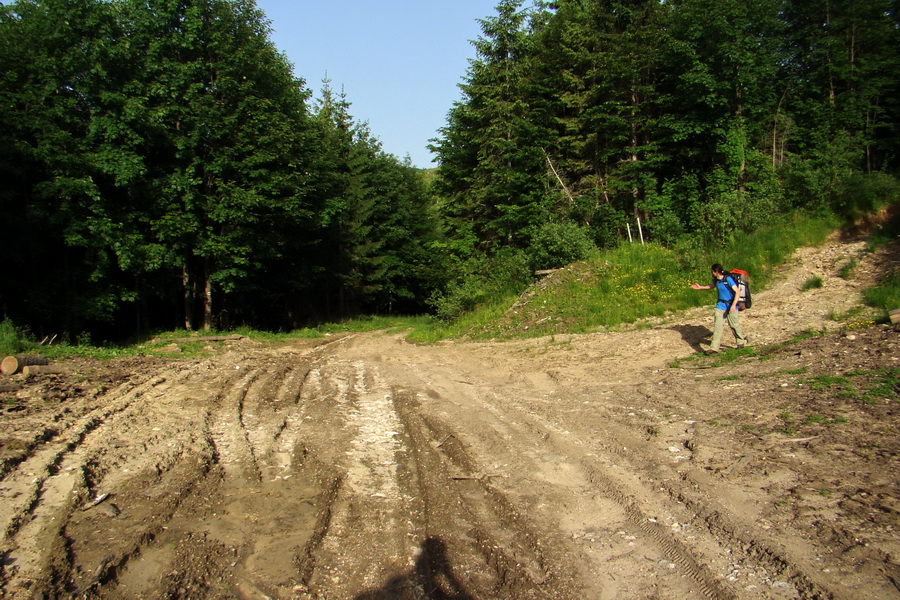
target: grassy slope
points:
(633, 282)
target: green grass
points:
(616, 287)
(885, 234)
(15, 341)
(848, 269)
(356, 325)
(886, 295)
(867, 387)
(730, 355)
(823, 420)
(812, 283)
(822, 382)
(627, 284)
(797, 371)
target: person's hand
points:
(696, 286)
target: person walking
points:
(726, 307)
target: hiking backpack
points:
(740, 279)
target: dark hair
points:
(717, 268)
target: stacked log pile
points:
(28, 364)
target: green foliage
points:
(160, 161)
(666, 228)
(558, 244)
(814, 282)
(862, 194)
(14, 339)
(886, 295)
(483, 281)
(886, 233)
(706, 116)
(758, 252)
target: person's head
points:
(718, 271)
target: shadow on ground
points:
(693, 335)
(431, 577)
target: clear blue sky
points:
(399, 61)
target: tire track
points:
(492, 548)
(514, 434)
(616, 483)
(372, 527)
(728, 533)
(246, 524)
(21, 492)
(49, 485)
(229, 432)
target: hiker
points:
(726, 306)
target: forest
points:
(163, 166)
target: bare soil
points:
(613, 465)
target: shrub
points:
(860, 194)
(13, 339)
(559, 244)
(482, 279)
(885, 234)
(666, 228)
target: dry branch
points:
(558, 178)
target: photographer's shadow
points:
(432, 575)
(693, 335)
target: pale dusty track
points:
(601, 466)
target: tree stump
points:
(13, 364)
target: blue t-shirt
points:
(726, 294)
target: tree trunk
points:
(188, 297)
(207, 299)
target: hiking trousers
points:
(719, 325)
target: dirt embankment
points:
(618, 465)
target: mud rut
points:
(366, 467)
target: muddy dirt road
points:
(615, 465)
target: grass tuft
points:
(814, 282)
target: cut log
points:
(895, 316)
(202, 338)
(46, 369)
(171, 348)
(14, 364)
